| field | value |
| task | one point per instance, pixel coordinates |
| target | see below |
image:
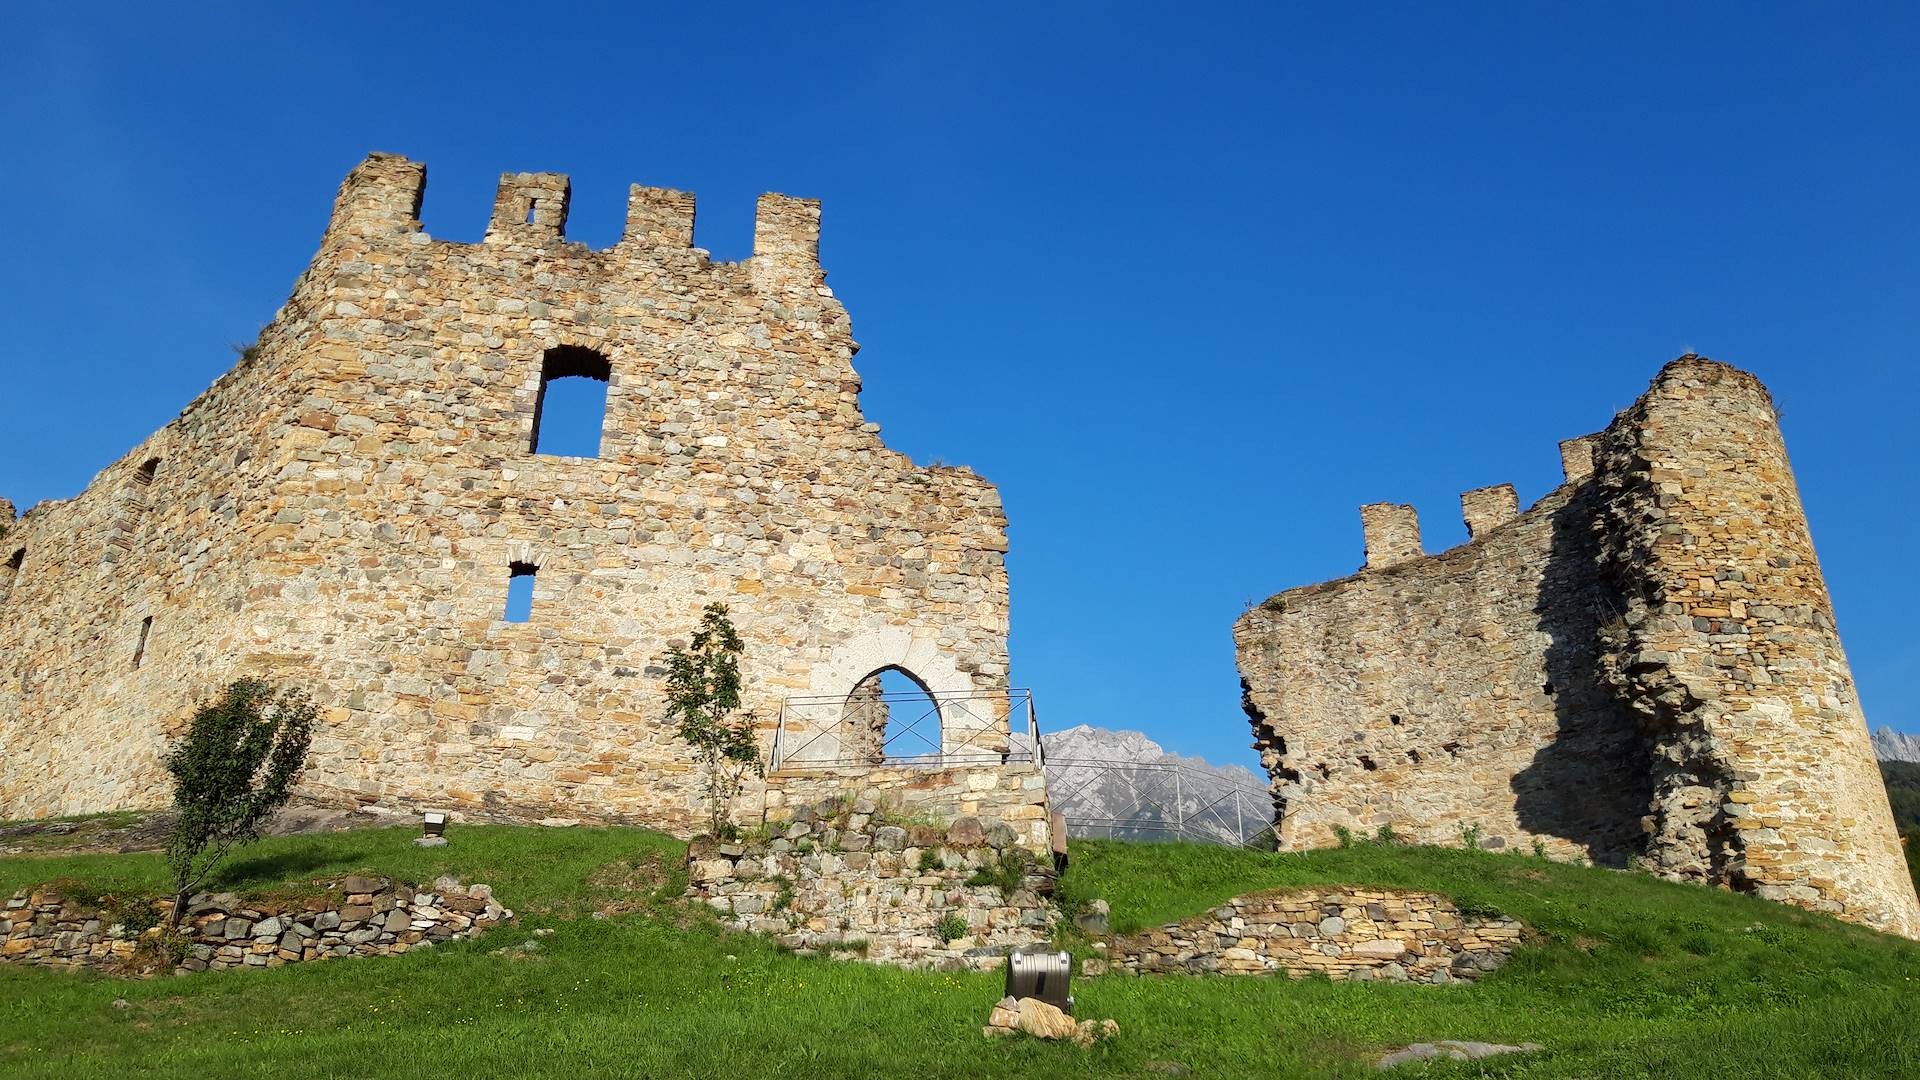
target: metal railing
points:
(973, 727)
(1133, 800)
(1158, 801)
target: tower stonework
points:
(344, 509)
(1641, 668)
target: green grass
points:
(544, 870)
(1630, 977)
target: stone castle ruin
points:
(1641, 667)
(347, 509)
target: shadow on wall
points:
(1591, 786)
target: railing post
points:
(1239, 818)
(1179, 813)
(1033, 734)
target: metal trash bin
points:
(1043, 975)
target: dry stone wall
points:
(343, 512)
(1642, 666)
(1356, 934)
(856, 877)
(1013, 795)
(359, 917)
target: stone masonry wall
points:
(845, 876)
(368, 917)
(1764, 772)
(1642, 665)
(1353, 934)
(1450, 693)
(1013, 795)
(342, 512)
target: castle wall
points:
(1643, 665)
(392, 486)
(1764, 772)
(82, 723)
(1452, 693)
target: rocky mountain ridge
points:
(1891, 745)
(1122, 783)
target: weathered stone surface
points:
(1642, 666)
(1453, 1049)
(1093, 917)
(1043, 1020)
(966, 831)
(1269, 933)
(342, 510)
(884, 905)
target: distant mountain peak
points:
(1122, 783)
(1891, 745)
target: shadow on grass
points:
(285, 866)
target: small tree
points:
(236, 765)
(703, 694)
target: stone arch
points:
(814, 723)
(891, 724)
(915, 651)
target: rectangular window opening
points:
(520, 591)
(571, 411)
(140, 651)
(532, 206)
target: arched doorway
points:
(892, 717)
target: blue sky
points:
(1190, 282)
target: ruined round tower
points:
(1642, 668)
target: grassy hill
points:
(1630, 977)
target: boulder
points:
(966, 832)
(1093, 917)
(1044, 1021)
(1454, 1049)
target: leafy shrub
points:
(235, 766)
(951, 927)
(703, 693)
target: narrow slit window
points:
(148, 471)
(11, 572)
(520, 591)
(531, 207)
(140, 650)
(571, 411)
